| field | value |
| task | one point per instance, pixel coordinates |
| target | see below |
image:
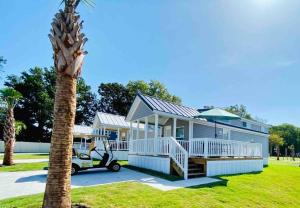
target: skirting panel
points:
(224, 167)
(266, 160)
(28, 147)
(160, 164)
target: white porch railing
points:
(115, 145)
(208, 147)
(119, 145)
(164, 146)
(153, 146)
(184, 144)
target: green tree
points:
(117, 99)
(153, 88)
(239, 110)
(114, 98)
(35, 110)
(19, 127)
(290, 134)
(36, 107)
(10, 98)
(277, 141)
(86, 103)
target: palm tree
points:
(10, 97)
(67, 42)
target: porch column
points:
(146, 128)
(131, 132)
(191, 136)
(138, 129)
(118, 138)
(156, 126)
(174, 127)
(191, 130)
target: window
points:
(244, 124)
(180, 132)
(255, 127)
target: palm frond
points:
(10, 96)
(77, 2)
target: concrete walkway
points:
(31, 182)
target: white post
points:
(191, 135)
(118, 139)
(156, 126)
(138, 129)
(104, 131)
(131, 132)
(174, 127)
(146, 128)
(205, 147)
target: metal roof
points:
(117, 121)
(168, 107)
(82, 130)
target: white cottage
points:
(180, 143)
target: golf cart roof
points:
(89, 136)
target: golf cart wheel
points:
(74, 169)
(115, 167)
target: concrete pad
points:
(31, 182)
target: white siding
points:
(224, 167)
(28, 147)
(160, 164)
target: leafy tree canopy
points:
(117, 98)
(290, 134)
(276, 139)
(239, 110)
(153, 88)
(35, 110)
(10, 96)
(114, 98)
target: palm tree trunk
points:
(67, 43)
(9, 137)
(57, 194)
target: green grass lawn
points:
(277, 186)
(24, 167)
(35, 166)
(28, 156)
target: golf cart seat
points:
(84, 156)
(81, 156)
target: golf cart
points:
(82, 161)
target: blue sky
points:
(208, 52)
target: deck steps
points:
(195, 170)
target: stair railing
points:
(179, 156)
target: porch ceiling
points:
(151, 120)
